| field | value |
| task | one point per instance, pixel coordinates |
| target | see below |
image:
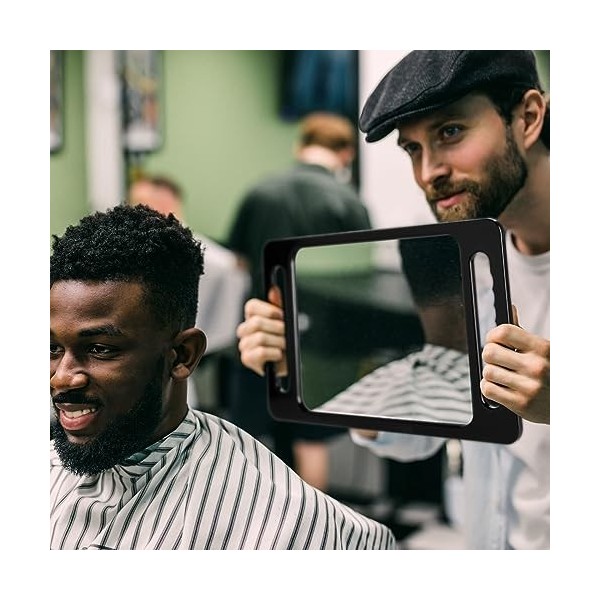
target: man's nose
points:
(433, 167)
(67, 374)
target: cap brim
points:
(381, 131)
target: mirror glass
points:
(382, 329)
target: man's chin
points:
(469, 209)
(458, 212)
(96, 454)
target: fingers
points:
(262, 335)
(260, 324)
(275, 296)
(497, 354)
(520, 380)
(508, 382)
(516, 338)
(534, 408)
(255, 358)
(258, 348)
(256, 307)
(260, 339)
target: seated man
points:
(131, 465)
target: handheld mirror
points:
(384, 329)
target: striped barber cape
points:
(207, 485)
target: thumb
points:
(274, 296)
(515, 315)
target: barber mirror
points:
(384, 329)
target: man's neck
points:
(318, 155)
(175, 409)
(528, 215)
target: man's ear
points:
(188, 348)
(531, 111)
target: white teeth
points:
(79, 413)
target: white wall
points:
(105, 163)
(387, 183)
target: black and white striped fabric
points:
(432, 384)
(207, 485)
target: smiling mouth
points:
(448, 200)
(78, 413)
(76, 418)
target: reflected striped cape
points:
(432, 384)
(207, 485)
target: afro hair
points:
(135, 244)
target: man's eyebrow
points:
(109, 330)
(443, 117)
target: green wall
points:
(222, 130)
(543, 64)
(221, 134)
(68, 184)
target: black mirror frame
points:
(490, 423)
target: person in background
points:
(132, 466)
(476, 126)
(310, 197)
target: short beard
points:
(122, 438)
(505, 176)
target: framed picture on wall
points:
(141, 87)
(56, 100)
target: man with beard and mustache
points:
(132, 466)
(476, 126)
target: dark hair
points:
(135, 244)
(506, 98)
(432, 268)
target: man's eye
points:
(101, 350)
(410, 149)
(450, 131)
(55, 349)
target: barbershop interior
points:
(212, 124)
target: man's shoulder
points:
(298, 174)
(308, 518)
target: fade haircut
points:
(135, 244)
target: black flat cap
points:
(425, 80)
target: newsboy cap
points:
(425, 80)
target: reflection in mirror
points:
(384, 342)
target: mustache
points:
(75, 397)
(444, 189)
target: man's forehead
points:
(97, 287)
(90, 299)
(465, 107)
